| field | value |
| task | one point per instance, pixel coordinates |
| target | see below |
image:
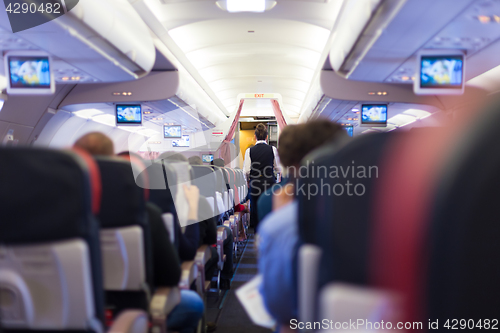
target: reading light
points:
(484, 19)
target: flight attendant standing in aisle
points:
(261, 163)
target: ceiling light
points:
(484, 19)
(87, 113)
(235, 6)
(355, 110)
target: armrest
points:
(202, 256)
(163, 302)
(233, 219)
(221, 237)
(130, 321)
(308, 267)
(188, 274)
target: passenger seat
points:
(50, 258)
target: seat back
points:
(334, 215)
(125, 236)
(463, 279)
(205, 180)
(50, 259)
(183, 175)
(238, 184)
(161, 194)
(221, 186)
(232, 186)
(230, 194)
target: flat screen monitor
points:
(373, 115)
(172, 131)
(349, 129)
(184, 142)
(440, 73)
(29, 73)
(207, 158)
(128, 114)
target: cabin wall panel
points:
(21, 132)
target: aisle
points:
(233, 317)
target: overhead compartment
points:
(97, 41)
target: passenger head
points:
(296, 141)
(219, 162)
(195, 160)
(96, 143)
(176, 157)
(261, 132)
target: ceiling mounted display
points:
(440, 72)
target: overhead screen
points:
(440, 73)
(29, 73)
(184, 142)
(373, 115)
(172, 131)
(207, 158)
(130, 114)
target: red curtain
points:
(278, 114)
(224, 149)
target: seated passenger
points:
(278, 232)
(186, 315)
(195, 160)
(96, 143)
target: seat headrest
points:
(46, 195)
(205, 180)
(123, 202)
(160, 193)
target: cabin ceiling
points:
(277, 51)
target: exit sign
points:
(260, 96)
